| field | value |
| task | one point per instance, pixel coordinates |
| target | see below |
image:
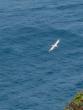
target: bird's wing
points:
(51, 48)
(57, 41)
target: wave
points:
(70, 6)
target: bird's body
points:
(55, 45)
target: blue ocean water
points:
(31, 78)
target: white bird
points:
(55, 45)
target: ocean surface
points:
(31, 78)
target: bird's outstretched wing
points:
(57, 41)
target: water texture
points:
(31, 78)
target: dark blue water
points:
(31, 78)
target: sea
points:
(31, 77)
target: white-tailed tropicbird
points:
(55, 45)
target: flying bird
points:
(55, 45)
